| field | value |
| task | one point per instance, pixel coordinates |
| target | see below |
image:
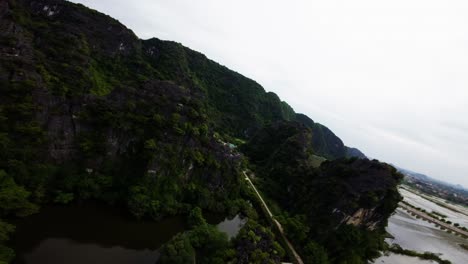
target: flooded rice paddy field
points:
(418, 235)
(453, 216)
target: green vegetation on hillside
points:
(316, 201)
(90, 112)
(13, 203)
(203, 243)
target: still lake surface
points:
(98, 234)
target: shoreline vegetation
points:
(464, 246)
(397, 249)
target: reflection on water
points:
(62, 250)
(232, 226)
(98, 234)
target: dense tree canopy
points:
(318, 203)
(90, 112)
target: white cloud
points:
(389, 77)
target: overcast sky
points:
(388, 77)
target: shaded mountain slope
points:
(354, 152)
(89, 111)
(325, 142)
(343, 205)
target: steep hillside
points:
(325, 142)
(80, 102)
(237, 104)
(354, 152)
(85, 116)
(90, 112)
(343, 205)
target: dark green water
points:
(98, 234)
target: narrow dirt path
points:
(278, 225)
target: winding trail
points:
(278, 225)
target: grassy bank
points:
(397, 249)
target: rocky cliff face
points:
(325, 204)
(81, 88)
(356, 191)
(89, 111)
(80, 98)
(367, 190)
(65, 57)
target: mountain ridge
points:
(91, 112)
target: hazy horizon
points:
(389, 78)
